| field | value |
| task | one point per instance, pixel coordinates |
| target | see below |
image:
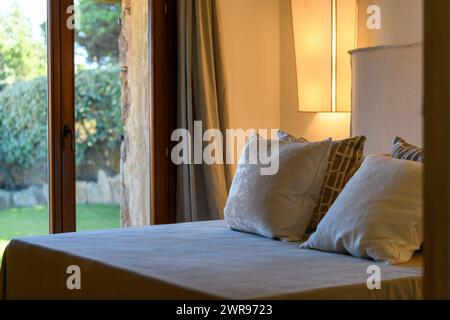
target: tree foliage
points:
(23, 86)
(21, 56)
(99, 31)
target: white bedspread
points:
(192, 261)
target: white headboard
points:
(387, 95)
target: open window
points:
(87, 101)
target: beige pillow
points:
(344, 161)
(278, 206)
(378, 215)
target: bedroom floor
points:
(23, 222)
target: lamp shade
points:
(324, 32)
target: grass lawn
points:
(23, 222)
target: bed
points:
(207, 260)
(202, 260)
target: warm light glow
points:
(324, 32)
(312, 94)
(333, 55)
(313, 42)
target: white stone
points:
(93, 193)
(5, 199)
(25, 198)
(39, 195)
(45, 192)
(82, 192)
(116, 189)
(104, 187)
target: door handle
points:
(68, 134)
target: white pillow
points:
(278, 206)
(378, 215)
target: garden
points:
(23, 119)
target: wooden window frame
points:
(163, 55)
(61, 120)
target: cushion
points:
(278, 206)
(345, 159)
(378, 215)
(405, 151)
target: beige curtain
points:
(201, 189)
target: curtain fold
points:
(201, 189)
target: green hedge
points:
(23, 120)
(98, 98)
(23, 117)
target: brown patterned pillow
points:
(345, 159)
(404, 151)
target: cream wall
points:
(251, 36)
(402, 23)
(260, 62)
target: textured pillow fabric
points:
(344, 161)
(279, 206)
(284, 136)
(378, 215)
(404, 151)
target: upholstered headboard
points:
(387, 95)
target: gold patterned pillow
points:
(402, 150)
(345, 159)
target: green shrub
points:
(98, 101)
(23, 117)
(23, 123)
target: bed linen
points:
(203, 260)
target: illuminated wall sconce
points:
(324, 31)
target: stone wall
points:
(30, 197)
(106, 190)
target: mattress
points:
(203, 260)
